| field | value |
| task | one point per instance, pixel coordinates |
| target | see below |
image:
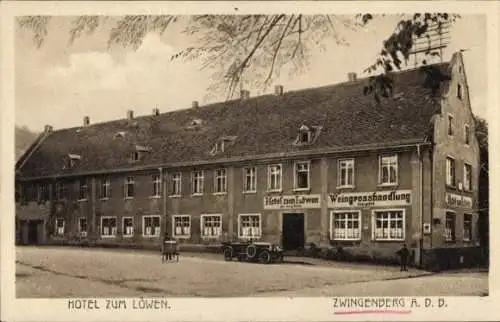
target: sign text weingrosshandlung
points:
(369, 199)
(292, 202)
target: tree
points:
(260, 45)
(481, 127)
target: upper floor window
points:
(176, 184)
(82, 190)
(220, 181)
(222, 144)
(129, 187)
(450, 125)
(72, 160)
(197, 183)
(156, 181)
(450, 172)
(467, 134)
(250, 179)
(274, 178)
(61, 191)
(388, 170)
(467, 177)
(345, 173)
(302, 175)
(104, 188)
(459, 91)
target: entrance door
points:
(293, 231)
(33, 231)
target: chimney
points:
(352, 77)
(195, 104)
(130, 114)
(48, 128)
(156, 111)
(86, 121)
(278, 90)
(244, 94)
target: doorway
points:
(293, 231)
(33, 231)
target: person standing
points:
(403, 255)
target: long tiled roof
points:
(262, 125)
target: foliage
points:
(261, 46)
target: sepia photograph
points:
(251, 155)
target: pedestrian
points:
(403, 255)
(164, 248)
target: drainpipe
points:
(163, 178)
(421, 206)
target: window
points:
(345, 225)
(42, 192)
(104, 189)
(467, 134)
(304, 136)
(151, 226)
(467, 227)
(450, 172)
(274, 177)
(346, 173)
(302, 175)
(220, 181)
(135, 156)
(449, 228)
(108, 226)
(82, 226)
(61, 191)
(59, 226)
(459, 91)
(176, 184)
(250, 179)
(197, 183)
(467, 177)
(389, 225)
(128, 226)
(211, 226)
(388, 170)
(182, 226)
(450, 125)
(82, 190)
(129, 187)
(249, 226)
(156, 179)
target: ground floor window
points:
(128, 226)
(151, 226)
(467, 227)
(60, 226)
(211, 225)
(182, 226)
(82, 226)
(449, 227)
(249, 226)
(389, 225)
(345, 225)
(108, 226)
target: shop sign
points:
(292, 202)
(458, 201)
(370, 199)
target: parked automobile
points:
(262, 252)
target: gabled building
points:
(327, 165)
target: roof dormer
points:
(222, 144)
(71, 160)
(307, 134)
(139, 152)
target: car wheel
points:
(251, 251)
(265, 257)
(228, 254)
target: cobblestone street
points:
(72, 272)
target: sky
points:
(58, 84)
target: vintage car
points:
(262, 252)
